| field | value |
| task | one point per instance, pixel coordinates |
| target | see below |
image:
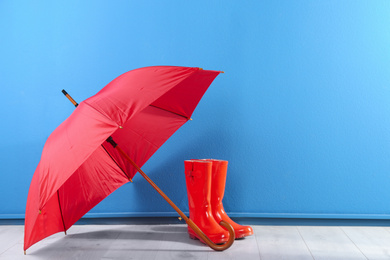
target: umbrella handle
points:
(189, 222)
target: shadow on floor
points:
(134, 238)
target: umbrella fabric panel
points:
(150, 128)
(142, 136)
(40, 223)
(69, 146)
(131, 92)
(183, 98)
(98, 177)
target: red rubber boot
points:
(198, 180)
(218, 182)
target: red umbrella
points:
(106, 140)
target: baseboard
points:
(244, 215)
(231, 214)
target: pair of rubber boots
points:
(206, 180)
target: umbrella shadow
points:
(105, 240)
(169, 233)
(155, 232)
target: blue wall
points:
(302, 112)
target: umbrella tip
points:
(222, 71)
(200, 68)
(25, 252)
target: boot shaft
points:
(218, 179)
(198, 181)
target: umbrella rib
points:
(62, 216)
(188, 118)
(116, 163)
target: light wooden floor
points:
(172, 242)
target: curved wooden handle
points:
(207, 240)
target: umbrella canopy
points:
(140, 109)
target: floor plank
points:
(373, 242)
(281, 242)
(9, 236)
(135, 242)
(246, 248)
(177, 244)
(329, 243)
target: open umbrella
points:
(106, 140)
